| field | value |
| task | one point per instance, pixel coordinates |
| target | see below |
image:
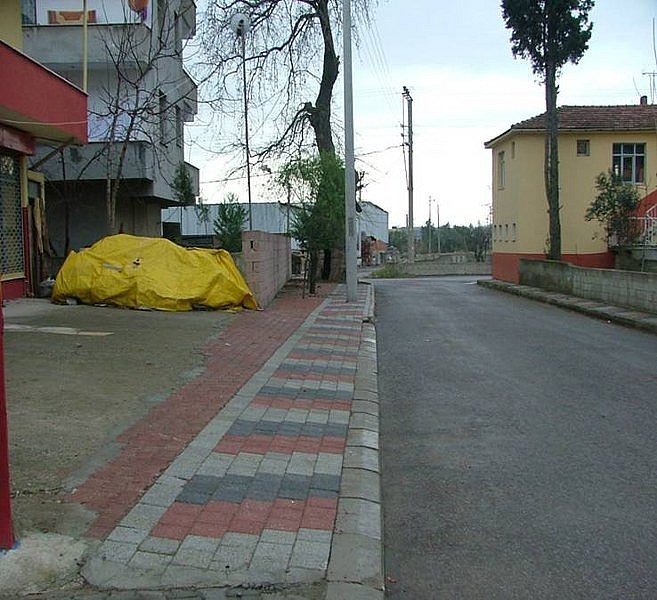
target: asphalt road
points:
(519, 447)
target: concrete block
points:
(360, 517)
(358, 457)
(352, 591)
(361, 484)
(356, 558)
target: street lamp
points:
(240, 24)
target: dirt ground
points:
(71, 392)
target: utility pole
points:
(349, 168)
(438, 225)
(430, 200)
(411, 233)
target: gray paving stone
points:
(242, 427)
(364, 421)
(290, 428)
(264, 487)
(128, 534)
(363, 437)
(216, 464)
(328, 464)
(339, 416)
(266, 427)
(360, 517)
(149, 561)
(296, 415)
(273, 536)
(314, 429)
(143, 516)
(193, 496)
(352, 591)
(358, 457)
(273, 465)
(275, 415)
(245, 464)
(336, 429)
(361, 484)
(271, 557)
(294, 487)
(321, 481)
(159, 545)
(356, 558)
(160, 495)
(318, 416)
(119, 552)
(315, 535)
(365, 406)
(302, 463)
(253, 413)
(310, 554)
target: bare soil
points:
(70, 394)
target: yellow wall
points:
(522, 198)
(11, 30)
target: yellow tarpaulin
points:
(140, 272)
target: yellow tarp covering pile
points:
(139, 272)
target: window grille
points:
(11, 231)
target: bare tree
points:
(291, 57)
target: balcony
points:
(38, 101)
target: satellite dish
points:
(240, 24)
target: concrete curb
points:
(592, 308)
(356, 568)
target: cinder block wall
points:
(622, 288)
(267, 263)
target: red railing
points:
(6, 529)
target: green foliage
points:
(317, 185)
(548, 32)
(613, 206)
(390, 271)
(183, 189)
(231, 216)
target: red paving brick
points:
(233, 356)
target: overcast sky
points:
(466, 88)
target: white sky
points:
(467, 88)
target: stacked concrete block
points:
(267, 261)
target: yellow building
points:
(592, 140)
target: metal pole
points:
(246, 128)
(6, 530)
(411, 232)
(438, 224)
(85, 46)
(349, 169)
(430, 225)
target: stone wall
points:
(266, 263)
(622, 288)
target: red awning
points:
(39, 102)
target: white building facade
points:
(140, 97)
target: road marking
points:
(56, 330)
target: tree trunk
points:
(320, 115)
(552, 161)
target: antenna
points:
(653, 89)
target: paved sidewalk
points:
(280, 486)
(600, 310)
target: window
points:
(513, 149)
(506, 232)
(501, 169)
(494, 233)
(583, 147)
(629, 162)
(513, 232)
